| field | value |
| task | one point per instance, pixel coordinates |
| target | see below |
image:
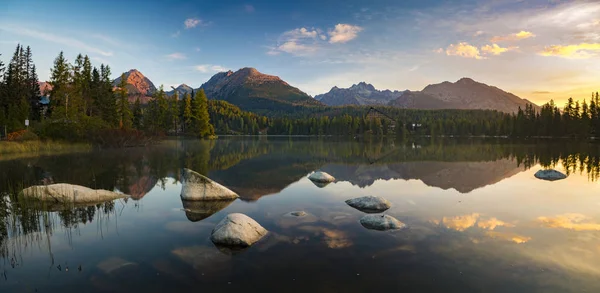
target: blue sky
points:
(538, 49)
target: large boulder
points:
(321, 177)
(550, 175)
(68, 193)
(381, 222)
(199, 187)
(237, 230)
(198, 210)
(369, 204)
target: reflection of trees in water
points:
(28, 224)
(258, 165)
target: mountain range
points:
(254, 91)
(358, 94)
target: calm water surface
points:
(478, 219)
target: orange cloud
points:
(513, 37)
(577, 222)
(508, 236)
(494, 49)
(581, 51)
(464, 50)
(460, 223)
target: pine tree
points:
(174, 112)
(60, 80)
(187, 113)
(123, 110)
(202, 126)
(137, 114)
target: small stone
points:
(321, 177)
(369, 204)
(550, 175)
(237, 230)
(381, 222)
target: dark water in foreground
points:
(479, 220)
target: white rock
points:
(199, 187)
(381, 222)
(237, 230)
(369, 204)
(68, 193)
(550, 175)
(321, 177)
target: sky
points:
(536, 49)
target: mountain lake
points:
(477, 219)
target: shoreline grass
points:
(15, 150)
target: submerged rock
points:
(550, 175)
(381, 222)
(321, 177)
(298, 213)
(199, 187)
(69, 193)
(369, 204)
(237, 230)
(201, 209)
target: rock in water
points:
(237, 230)
(381, 222)
(369, 204)
(298, 213)
(68, 193)
(199, 187)
(550, 175)
(321, 177)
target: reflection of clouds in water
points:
(333, 238)
(492, 223)
(572, 221)
(507, 236)
(458, 223)
(464, 222)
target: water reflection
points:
(479, 220)
(201, 209)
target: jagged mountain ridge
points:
(463, 94)
(358, 94)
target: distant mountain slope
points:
(249, 89)
(358, 94)
(469, 94)
(420, 100)
(463, 94)
(182, 90)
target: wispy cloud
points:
(249, 8)
(513, 37)
(208, 68)
(494, 49)
(176, 34)
(580, 51)
(464, 50)
(307, 41)
(22, 31)
(343, 33)
(176, 56)
(192, 22)
(197, 49)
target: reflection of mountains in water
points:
(461, 176)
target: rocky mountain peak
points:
(137, 83)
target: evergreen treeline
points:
(19, 90)
(83, 103)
